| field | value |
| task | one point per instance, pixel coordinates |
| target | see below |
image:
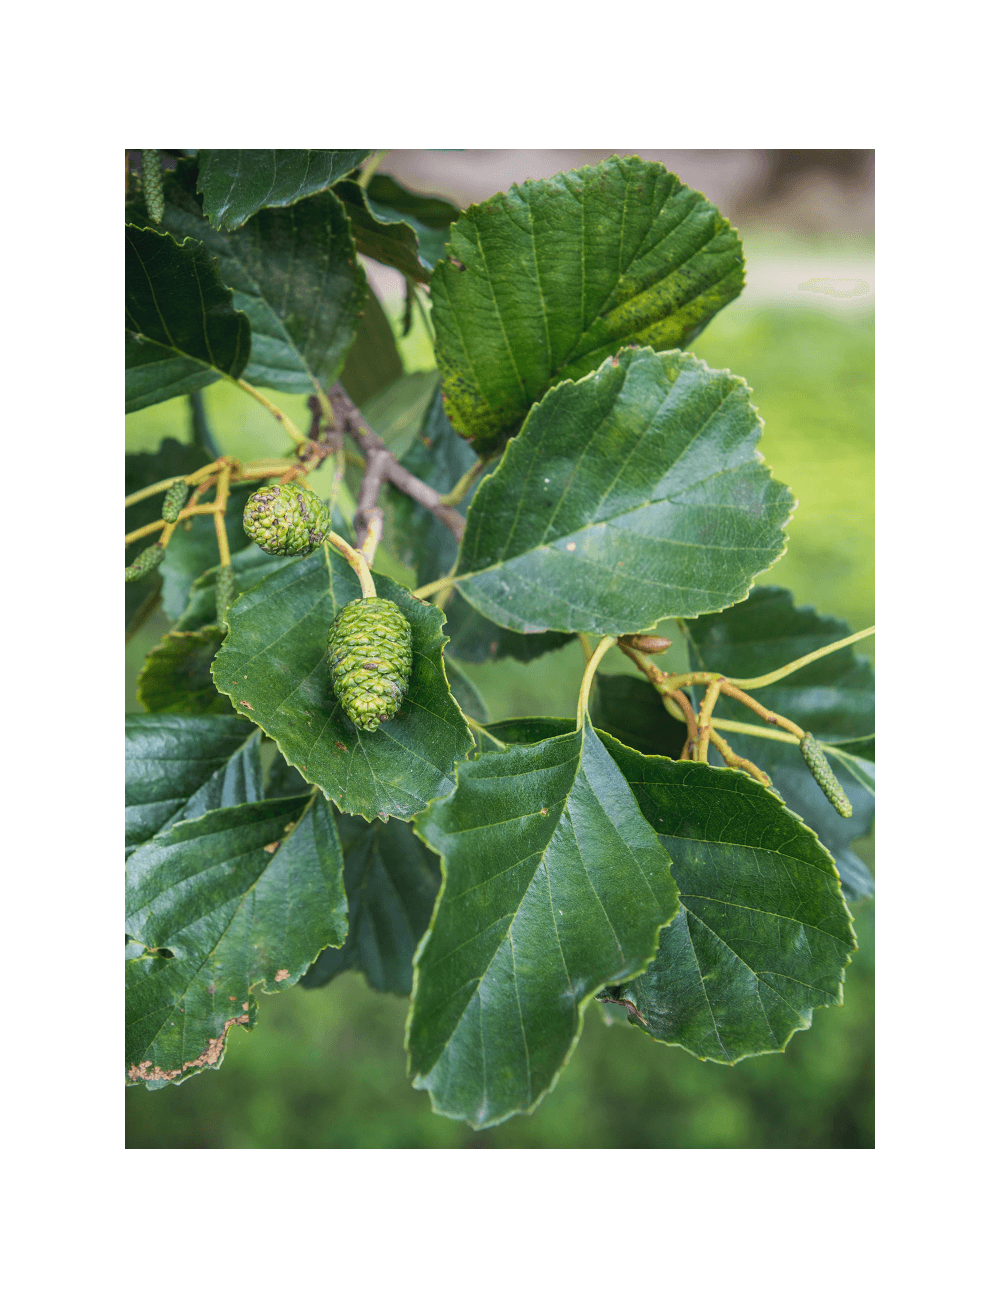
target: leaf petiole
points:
(603, 646)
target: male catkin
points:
(173, 502)
(152, 183)
(370, 654)
(145, 562)
(817, 763)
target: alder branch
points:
(348, 419)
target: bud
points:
(286, 519)
(650, 645)
(370, 653)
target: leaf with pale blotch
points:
(242, 897)
(293, 271)
(553, 880)
(392, 881)
(762, 936)
(179, 767)
(237, 183)
(544, 282)
(633, 495)
(833, 697)
(176, 676)
(274, 666)
(182, 329)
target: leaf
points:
(177, 768)
(392, 881)
(250, 566)
(632, 711)
(762, 935)
(631, 496)
(523, 731)
(553, 880)
(373, 361)
(185, 329)
(429, 215)
(274, 666)
(440, 457)
(833, 697)
(860, 768)
(142, 470)
(240, 897)
(177, 674)
(381, 235)
(193, 550)
(545, 282)
(237, 183)
(293, 272)
(465, 692)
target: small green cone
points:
(225, 592)
(145, 562)
(370, 653)
(152, 183)
(173, 502)
(817, 763)
(286, 519)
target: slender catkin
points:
(173, 502)
(817, 763)
(145, 562)
(370, 654)
(225, 591)
(152, 183)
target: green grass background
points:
(326, 1068)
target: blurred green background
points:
(326, 1067)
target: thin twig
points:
(368, 511)
(733, 759)
(775, 719)
(357, 562)
(705, 720)
(221, 498)
(454, 497)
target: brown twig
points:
(684, 704)
(732, 759)
(348, 419)
(369, 513)
(775, 719)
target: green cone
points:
(286, 520)
(817, 763)
(370, 656)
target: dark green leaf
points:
(543, 283)
(373, 361)
(633, 495)
(834, 698)
(465, 692)
(250, 566)
(193, 550)
(274, 666)
(293, 272)
(392, 881)
(185, 329)
(240, 897)
(440, 457)
(429, 215)
(177, 768)
(632, 711)
(283, 780)
(523, 731)
(237, 183)
(177, 674)
(762, 935)
(382, 237)
(553, 880)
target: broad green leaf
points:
(545, 282)
(274, 666)
(428, 215)
(373, 361)
(553, 879)
(240, 897)
(381, 236)
(185, 330)
(522, 731)
(141, 470)
(632, 711)
(293, 272)
(762, 935)
(250, 566)
(833, 697)
(283, 781)
(177, 674)
(392, 881)
(633, 495)
(440, 457)
(237, 183)
(177, 768)
(465, 692)
(396, 412)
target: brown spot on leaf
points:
(147, 1072)
(269, 848)
(341, 745)
(280, 975)
(245, 704)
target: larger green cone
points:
(370, 655)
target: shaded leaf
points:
(632, 711)
(177, 768)
(545, 282)
(834, 698)
(553, 879)
(380, 234)
(429, 215)
(392, 881)
(236, 183)
(185, 330)
(466, 692)
(274, 666)
(176, 676)
(373, 361)
(762, 935)
(250, 566)
(240, 897)
(523, 731)
(194, 550)
(631, 496)
(283, 780)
